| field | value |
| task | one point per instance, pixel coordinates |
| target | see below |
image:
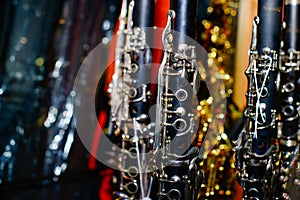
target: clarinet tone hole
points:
(132, 152)
(132, 188)
(174, 194)
(288, 110)
(179, 124)
(289, 87)
(134, 68)
(181, 95)
(132, 171)
(132, 92)
(264, 92)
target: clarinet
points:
(256, 147)
(288, 116)
(177, 160)
(130, 122)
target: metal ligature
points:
(129, 121)
(288, 116)
(176, 156)
(256, 145)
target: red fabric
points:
(102, 118)
(160, 20)
(92, 163)
(238, 191)
(111, 57)
(105, 189)
(161, 16)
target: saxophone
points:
(176, 155)
(130, 125)
(256, 147)
(288, 116)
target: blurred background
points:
(42, 45)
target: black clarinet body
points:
(256, 147)
(130, 123)
(184, 22)
(288, 118)
(143, 17)
(268, 47)
(177, 159)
